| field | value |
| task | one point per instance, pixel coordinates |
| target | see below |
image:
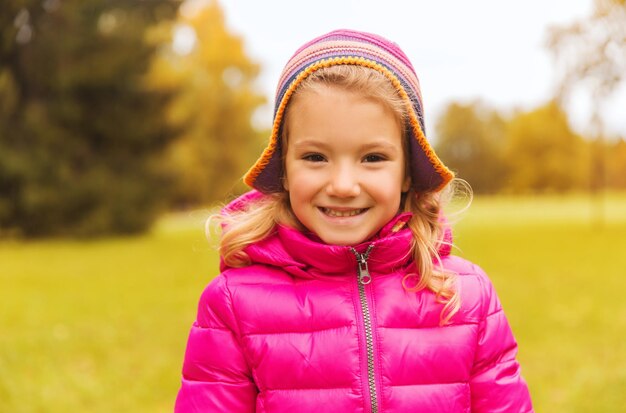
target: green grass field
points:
(101, 326)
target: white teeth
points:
(334, 213)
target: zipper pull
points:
(362, 267)
(364, 272)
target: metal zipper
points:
(365, 278)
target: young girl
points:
(338, 292)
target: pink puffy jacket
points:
(304, 329)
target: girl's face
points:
(345, 164)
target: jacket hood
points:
(304, 255)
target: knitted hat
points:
(348, 47)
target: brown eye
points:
(374, 157)
(313, 157)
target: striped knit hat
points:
(348, 47)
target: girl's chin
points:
(343, 238)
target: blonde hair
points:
(257, 220)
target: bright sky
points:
(462, 50)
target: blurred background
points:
(124, 124)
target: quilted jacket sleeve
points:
(496, 383)
(216, 377)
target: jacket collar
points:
(303, 255)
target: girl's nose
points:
(343, 183)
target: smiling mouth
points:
(342, 214)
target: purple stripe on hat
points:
(334, 48)
(414, 99)
(411, 92)
(337, 46)
(348, 35)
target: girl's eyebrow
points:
(382, 144)
(309, 143)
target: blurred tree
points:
(616, 165)
(543, 153)
(214, 106)
(470, 140)
(80, 134)
(591, 53)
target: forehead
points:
(336, 116)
